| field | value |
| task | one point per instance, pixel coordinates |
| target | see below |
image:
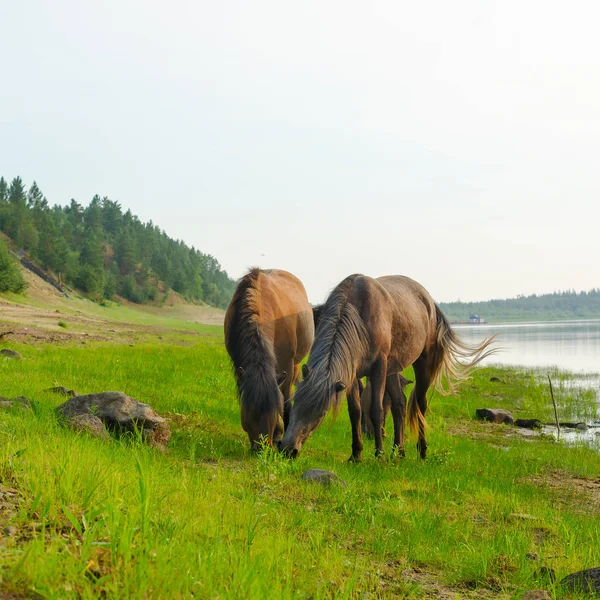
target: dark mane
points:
(340, 344)
(248, 347)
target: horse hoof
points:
(355, 459)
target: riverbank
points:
(478, 519)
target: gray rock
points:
(322, 476)
(529, 423)
(118, 412)
(495, 415)
(583, 581)
(10, 531)
(8, 353)
(61, 389)
(90, 424)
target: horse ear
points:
(240, 372)
(305, 371)
(340, 387)
(281, 378)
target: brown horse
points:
(377, 328)
(268, 331)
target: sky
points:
(453, 142)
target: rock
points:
(10, 531)
(322, 476)
(8, 353)
(583, 581)
(118, 412)
(495, 415)
(496, 379)
(529, 423)
(61, 389)
(578, 426)
(536, 595)
(90, 424)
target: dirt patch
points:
(394, 574)
(571, 488)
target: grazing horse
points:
(268, 331)
(377, 328)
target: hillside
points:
(551, 307)
(104, 251)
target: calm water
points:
(568, 345)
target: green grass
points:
(209, 520)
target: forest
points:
(103, 251)
(558, 305)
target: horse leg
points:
(354, 411)
(377, 380)
(365, 406)
(419, 395)
(286, 390)
(398, 400)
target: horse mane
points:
(249, 348)
(342, 340)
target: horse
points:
(268, 331)
(377, 328)
(365, 396)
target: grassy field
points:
(117, 519)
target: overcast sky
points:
(454, 142)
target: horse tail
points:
(415, 417)
(453, 360)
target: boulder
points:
(583, 581)
(8, 353)
(529, 423)
(322, 476)
(495, 415)
(90, 424)
(117, 412)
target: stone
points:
(536, 595)
(90, 424)
(528, 423)
(61, 389)
(583, 581)
(8, 353)
(495, 415)
(322, 476)
(10, 531)
(119, 412)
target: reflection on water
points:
(568, 345)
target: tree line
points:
(558, 305)
(104, 251)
